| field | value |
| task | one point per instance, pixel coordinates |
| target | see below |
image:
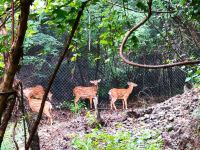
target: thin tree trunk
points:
(7, 116)
(16, 53)
(80, 72)
(35, 145)
(98, 60)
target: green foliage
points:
(101, 140)
(8, 143)
(192, 9)
(193, 74)
(141, 5)
(48, 43)
(70, 105)
(92, 120)
(1, 65)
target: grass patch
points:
(101, 140)
(8, 143)
(70, 105)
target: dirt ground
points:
(174, 119)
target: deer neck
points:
(130, 88)
(95, 87)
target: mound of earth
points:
(174, 119)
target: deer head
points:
(95, 82)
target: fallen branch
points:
(128, 33)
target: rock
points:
(169, 127)
(133, 114)
(142, 118)
(186, 107)
(146, 116)
(171, 119)
(130, 119)
(165, 107)
(195, 98)
(148, 111)
(162, 113)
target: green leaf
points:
(141, 5)
(188, 79)
(2, 65)
(183, 2)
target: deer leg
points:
(76, 100)
(111, 105)
(95, 101)
(114, 104)
(123, 103)
(50, 119)
(125, 100)
(90, 102)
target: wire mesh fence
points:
(157, 84)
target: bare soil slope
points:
(173, 118)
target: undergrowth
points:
(92, 120)
(101, 140)
(8, 143)
(70, 105)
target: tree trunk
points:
(98, 60)
(28, 120)
(7, 115)
(35, 145)
(16, 53)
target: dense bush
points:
(101, 140)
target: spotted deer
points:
(34, 96)
(86, 92)
(36, 92)
(121, 94)
(35, 107)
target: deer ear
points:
(128, 83)
(92, 82)
(99, 80)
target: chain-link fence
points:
(158, 84)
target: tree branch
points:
(128, 33)
(13, 21)
(8, 14)
(66, 52)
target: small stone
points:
(186, 107)
(165, 107)
(162, 113)
(130, 119)
(169, 127)
(142, 118)
(153, 117)
(195, 98)
(149, 111)
(146, 116)
(171, 119)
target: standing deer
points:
(122, 94)
(34, 96)
(86, 92)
